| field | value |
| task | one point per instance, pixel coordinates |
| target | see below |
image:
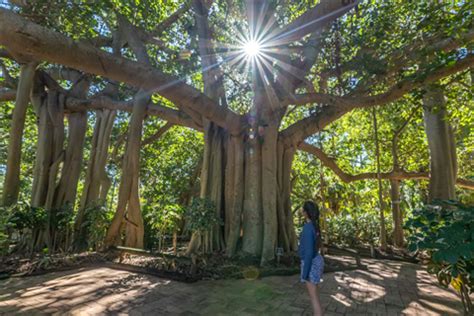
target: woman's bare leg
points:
(313, 291)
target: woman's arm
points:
(308, 246)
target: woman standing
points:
(312, 263)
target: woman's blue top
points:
(307, 249)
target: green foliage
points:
(358, 229)
(4, 238)
(97, 222)
(63, 218)
(169, 219)
(19, 224)
(169, 170)
(161, 222)
(24, 216)
(201, 215)
(446, 232)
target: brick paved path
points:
(387, 288)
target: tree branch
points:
(211, 72)
(19, 34)
(392, 175)
(158, 134)
(338, 106)
(164, 25)
(393, 93)
(401, 58)
(103, 102)
(62, 73)
(396, 135)
(313, 19)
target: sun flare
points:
(252, 48)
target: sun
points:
(252, 48)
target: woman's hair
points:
(312, 210)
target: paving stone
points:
(387, 288)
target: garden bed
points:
(178, 268)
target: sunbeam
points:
(252, 48)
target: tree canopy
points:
(250, 101)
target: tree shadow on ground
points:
(384, 288)
(387, 287)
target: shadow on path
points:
(386, 288)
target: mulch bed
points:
(183, 269)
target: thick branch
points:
(61, 73)
(165, 113)
(392, 175)
(19, 34)
(211, 72)
(338, 106)
(146, 37)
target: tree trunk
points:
(77, 127)
(128, 213)
(255, 193)
(234, 192)
(213, 167)
(71, 170)
(383, 231)
(49, 150)
(396, 213)
(212, 187)
(252, 216)
(11, 184)
(269, 193)
(96, 177)
(49, 156)
(441, 144)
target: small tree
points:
(201, 217)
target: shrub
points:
(98, 219)
(24, 216)
(356, 229)
(4, 238)
(445, 231)
(20, 224)
(201, 215)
